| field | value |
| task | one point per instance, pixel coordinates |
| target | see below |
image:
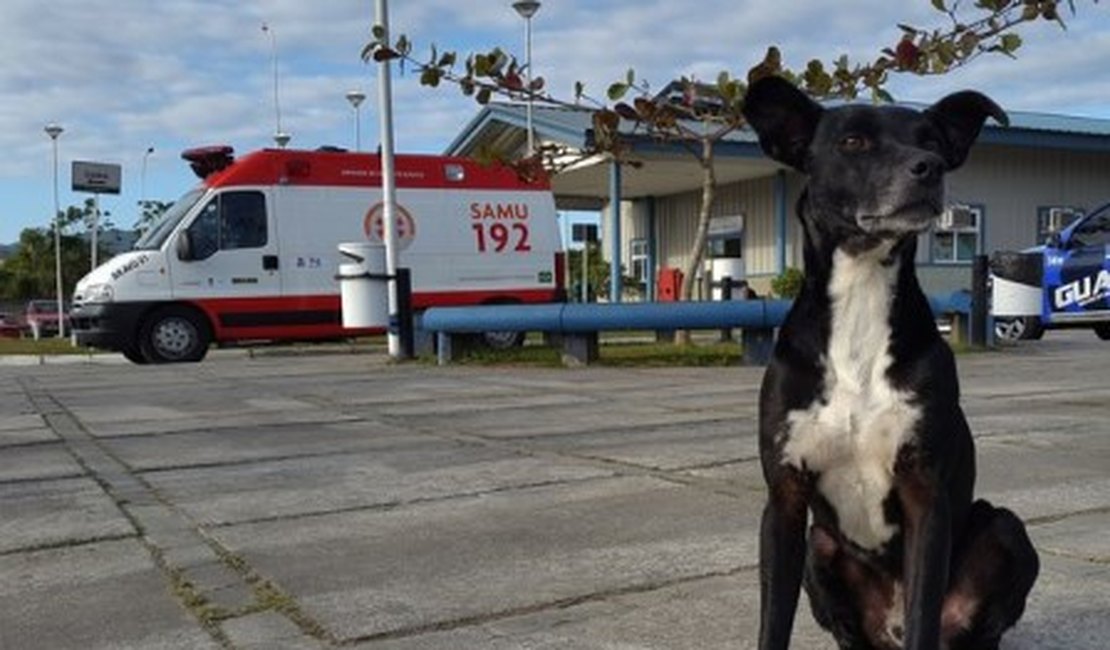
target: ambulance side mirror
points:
(184, 246)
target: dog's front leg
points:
(782, 546)
(928, 546)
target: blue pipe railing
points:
(590, 317)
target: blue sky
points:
(124, 75)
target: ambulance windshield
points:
(156, 235)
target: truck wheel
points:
(1102, 330)
(1021, 328)
(174, 334)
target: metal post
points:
(978, 322)
(615, 231)
(726, 295)
(404, 323)
(54, 130)
(389, 185)
(94, 228)
(585, 271)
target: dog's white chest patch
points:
(851, 436)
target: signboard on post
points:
(98, 178)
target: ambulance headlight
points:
(99, 293)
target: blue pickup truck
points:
(1063, 284)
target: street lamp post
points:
(54, 130)
(356, 97)
(527, 9)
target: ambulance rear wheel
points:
(174, 334)
(1102, 330)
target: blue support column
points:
(651, 250)
(780, 221)
(615, 232)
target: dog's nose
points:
(927, 169)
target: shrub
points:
(788, 284)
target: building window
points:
(1053, 219)
(956, 238)
(638, 258)
(726, 237)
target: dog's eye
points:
(854, 143)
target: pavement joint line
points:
(68, 543)
(83, 447)
(41, 479)
(620, 468)
(538, 608)
(396, 505)
(219, 428)
(1055, 518)
(243, 462)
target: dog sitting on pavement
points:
(860, 421)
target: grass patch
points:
(48, 346)
(634, 355)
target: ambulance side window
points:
(229, 221)
(1093, 232)
(242, 220)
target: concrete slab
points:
(46, 513)
(368, 574)
(261, 441)
(38, 462)
(410, 469)
(101, 596)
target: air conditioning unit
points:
(957, 217)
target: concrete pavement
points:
(316, 501)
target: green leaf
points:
(447, 60)
(1010, 43)
(484, 96)
(631, 77)
(430, 77)
(617, 91)
(378, 32)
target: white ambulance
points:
(251, 253)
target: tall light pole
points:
(356, 97)
(389, 182)
(54, 130)
(280, 137)
(527, 9)
(142, 179)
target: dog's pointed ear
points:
(960, 117)
(784, 117)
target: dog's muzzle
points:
(913, 218)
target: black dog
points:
(860, 420)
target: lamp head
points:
(526, 8)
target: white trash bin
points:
(363, 288)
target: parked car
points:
(10, 327)
(41, 317)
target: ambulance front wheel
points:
(174, 334)
(1102, 330)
